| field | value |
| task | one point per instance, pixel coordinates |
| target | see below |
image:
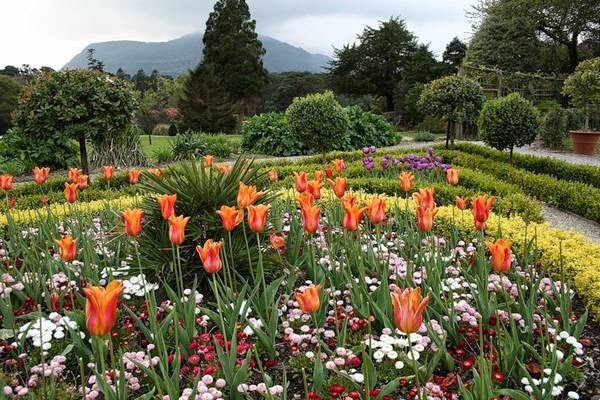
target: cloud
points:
(51, 32)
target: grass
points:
(160, 142)
(410, 135)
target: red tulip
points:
(6, 182)
(134, 176)
(376, 210)
(273, 175)
(406, 181)
(67, 248)
(257, 217)
(70, 192)
(82, 182)
(73, 174)
(425, 218)
(155, 171)
(224, 169)
(301, 181)
(311, 215)
(101, 307)
(278, 242)
(167, 205)
(177, 229)
(352, 213)
(247, 195)
(40, 175)
(452, 176)
(480, 208)
(314, 188)
(424, 198)
(306, 199)
(133, 221)
(108, 171)
(408, 309)
(208, 160)
(460, 203)
(501, 255)
(309, 301)
(230, 217)
(339, 186)
(210, 255)
(339, 165)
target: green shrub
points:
(219, 145)
(580, 198)
(424, 137)
(163, 154)
(583, 86)
(188, 146)
(540, 165)
(368, 129)
(269, 133)
(509, 122)
(553, 130)
(414, 115)
(319, 121)
(161, 129)
(9, 95)
(431, 124)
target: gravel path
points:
(566, 220)
(559, 155)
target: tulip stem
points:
(231, 280)
(415, 367)
(218, 298)
(248, 252)
(261, 271)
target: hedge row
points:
(541, 165)
(580, 198)
(32, 201)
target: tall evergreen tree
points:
(455, 52)
(204, 104)
(234, 53)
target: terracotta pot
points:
(584, 142)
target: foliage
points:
(285, 86)
(9, 95)
(230, 35)
(553, 129)
(205, 105)
(509, 122)
(187, 146)
(121, 150)
(200, 191)
(377, 63)
(368, 129)
(413, 112)
(506, 43)
(583, 86)
(453, 98)
(270, 133)
(76, 104)
(319, 122)
(424, 136)
(163, 154)
(220, 145)
(432, 124)
(455, 52)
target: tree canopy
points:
(9, 94)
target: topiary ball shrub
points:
(319, 122)
(270, 134)
(553, 130)
(368, 129)
(509, 122)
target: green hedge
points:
(32, 201)
(580, 198)
(541, 165)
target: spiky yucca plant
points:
(200, 193)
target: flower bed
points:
(319, 295)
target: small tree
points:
(319, 122)
(75, 104)
(454, 99)
(583, 86)
(509, 122)
(9, 94)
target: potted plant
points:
(583, 86)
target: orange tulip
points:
(208, 160)
(224, 169)
(230, 217)
(167, 205)
(155, 171)
(425, 218)
(278, 242)
(40, 175)
(339, 186)
(67, 247)
(406, 181)
(273, 175)
(314, 188)
(452, 176)
(247, 195)
(101, 307)
(408, 309)
(210, 255)
(480, 208)
(329, 172)
(339, 165)
(6, 182)
(177, 229)
(257, 217)
(311, 215)
(82, 182)
(301, 181)
(134, 176)
(352, 213)
(73, 174)
(133, 221)
(70, 192)
(319, 175)
(501, 255)
(108, 171)
(424, 198)
(306, 200)
(460, 203)
(309, 301)
(376, 210)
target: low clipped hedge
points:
(32, 201)
(541, 165)
(581, 198)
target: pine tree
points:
(205, 106)
(232, 49)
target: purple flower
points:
(385, 163)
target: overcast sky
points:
(51, 32)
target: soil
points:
(590, 387)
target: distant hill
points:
(179, 55)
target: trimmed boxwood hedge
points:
(581, 198)
(541, 165)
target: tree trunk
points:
(389, 102)
(511, 156)
(448, 129)
(573, 54)
(85, 166)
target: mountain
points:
(179, 55)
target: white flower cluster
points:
(43, 330)
(397, 347)
(557, 389)
(570, 340)
(137, 285)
